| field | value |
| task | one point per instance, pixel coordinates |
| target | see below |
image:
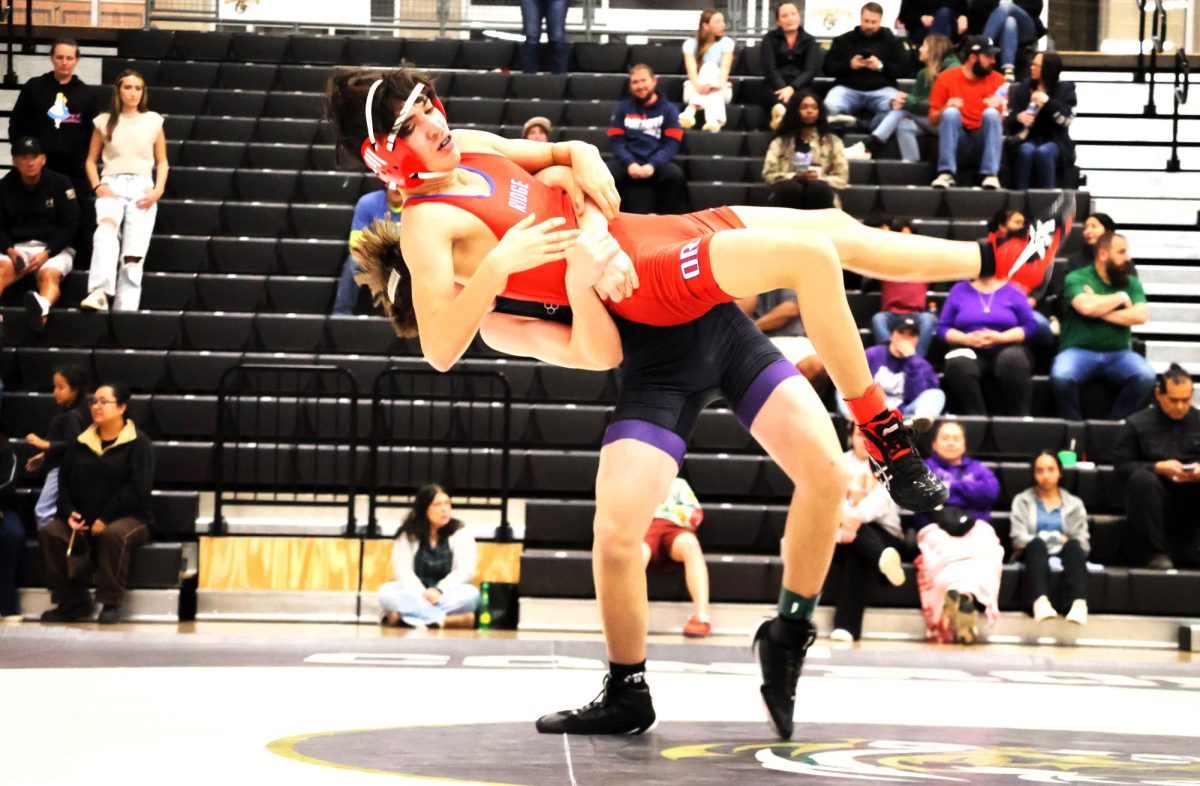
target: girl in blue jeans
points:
(433, 562)
(1040, 112)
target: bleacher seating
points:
(251, 236)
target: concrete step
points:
(1128, 98)
(1106, 129)
(1111, 155)
(1143, 210)
(734, 619)
(141, 605)
(1153, 184)
(1164, 243)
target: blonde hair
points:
(704, 39)
(938, 46)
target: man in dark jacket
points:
(866, 63)
(1158, 456)
(39, 214)
(644, 136)
(58, 108)
(791, 60)
(922, 17)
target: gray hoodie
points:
(1023, 520)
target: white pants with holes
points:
(714, 103)
(122, 236)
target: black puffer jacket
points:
(785, 66)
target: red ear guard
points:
(391, 159)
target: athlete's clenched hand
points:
(527, 245)
(594, 179)
(619, 278)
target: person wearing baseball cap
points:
(538, 129)
(969, 115)
(39, 216)
(908, 380)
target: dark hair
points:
(1052, 66)
(1000, 219)
(1175, 374)
(117, 107)
(1105, 220)
(64, 41)
(781, 5)
(941, 424)
(878, 219)
(873, 7)
(791, 125)
(120, 393)
(901, 224)
(76, 378)
(1049, 453)
(416, 523)
(378, 254)
(346, 98)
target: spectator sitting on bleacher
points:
(1158, 456)
(131, 142)
(1049, 521)
(672, 540)
(900, 299)
(1010, 23)
(12, 535)
(644, 136)
(973, 487)
(777, 314)
(958, 575)
(433, 562)
(907, 379)
(791, 59)
(865, 64)
(1100, 305)
(909, 118)
(554, 12)
(966, 110)
(537, 129)
(39, 214)
(869, 541)
(806, 162)
(382, 204)
(708, 58)
(1095, 226)
(104, 511)
(57, 108)
(986, 324)
(68, 423)
(923, 18)
(1040, 112)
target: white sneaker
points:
(712, 127)
(889, 566)
(858, 152)
(991, 183)
(843, 121)
(96, 300)
(687, 118)
(11, 619)
(777, 113)
(840, 634)
(1078, 612)
(1043, 609)
(944, 180)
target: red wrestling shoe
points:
(1027, 261)
(897, 464)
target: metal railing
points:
(1183, 72)
(1158, 31)
(287, 436)
(452, 429)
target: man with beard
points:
(643, 136)
(968, 114)
(1104, 302)
(865, 62)
(1157, 455)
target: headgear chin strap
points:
(391, 159)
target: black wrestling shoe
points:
(781, 646)
(621, 708)
(69, 612)
(897, 464)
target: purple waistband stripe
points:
(761, 389)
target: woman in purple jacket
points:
(986, 323)
(972, 486)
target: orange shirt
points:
(953, 83)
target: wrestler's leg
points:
(894, 256)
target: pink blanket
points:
(971, 563)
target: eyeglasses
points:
(100, 402)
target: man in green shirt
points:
(1102, 303)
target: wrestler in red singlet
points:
(669, 253)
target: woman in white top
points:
(433, 562)
(869, 541)
(708, 58)
(130, 142)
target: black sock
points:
(627, 675)
(987, 259)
